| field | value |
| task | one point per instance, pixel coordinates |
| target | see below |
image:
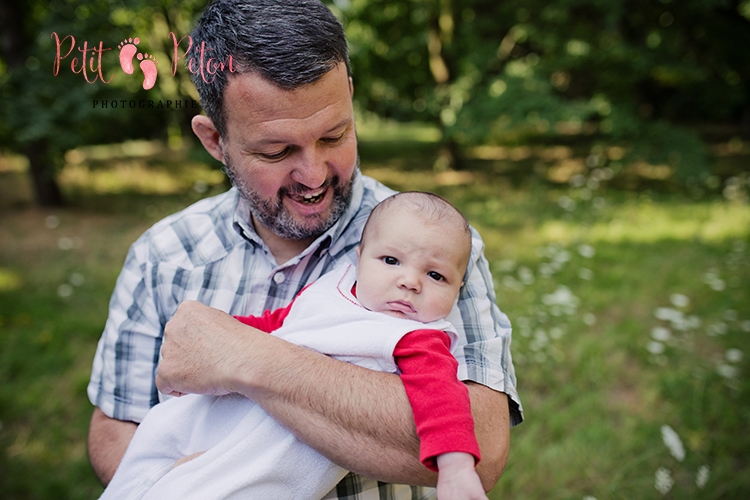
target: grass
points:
(631, 312)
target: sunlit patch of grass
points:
(138, 177)
(9, 280)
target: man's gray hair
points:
(290, 43)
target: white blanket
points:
(247, 454)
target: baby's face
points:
(409, 269)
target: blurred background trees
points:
(44, 115)
(638, 73)
(649, 76)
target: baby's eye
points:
(436, 276)
(391, 261)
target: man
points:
(283, 126)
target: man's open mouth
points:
(310, 198)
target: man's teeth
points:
(310, 198)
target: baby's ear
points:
(358, 250)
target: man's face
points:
(410, 269)
(292, 154)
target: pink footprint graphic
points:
(127, 51)
(148, 66)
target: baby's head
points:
(412, 257)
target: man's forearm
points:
(362, 419)
(358, 418)
(108, 440)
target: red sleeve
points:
(440, 402)
(269, 321)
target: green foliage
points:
(629, 71)
(47, 107)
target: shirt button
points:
(279, 278)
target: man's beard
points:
(272, 213)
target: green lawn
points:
(631, 313)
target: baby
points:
(388, 315)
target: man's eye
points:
(333, 140)
(436, 276)
(391, 261)
(275, 156)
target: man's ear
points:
(204, 128)
(351, 87)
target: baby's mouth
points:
(402, 306)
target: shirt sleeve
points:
(122, 377)
(484, 332)
(440, 402)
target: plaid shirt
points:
(210, 252)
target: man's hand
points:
(457, 479)
(203, 348)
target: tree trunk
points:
(46, 190)
(13, 45)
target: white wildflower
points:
(718, 285)
(561, 296)
(547, 270)
(745, 326)
(567, 203)
(525, 275)
(717, 329)
(539, 341)
(711, 278)
(733, 355)
(561, 257)
(76, 279)
(661, 334)
(585, 274)
(65, 243)
(512, 283)
(679, 300)
(701, 478)
(667, 314)
(577, 180)
(586, 251)
(727, 371)
(64, 291)
(684, 323)
(52, 222)
(655, 347)
(556, 332)
(589, 319)
(672, 442)
(663, 481)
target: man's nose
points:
(311, 170)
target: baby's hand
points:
(457, 479)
